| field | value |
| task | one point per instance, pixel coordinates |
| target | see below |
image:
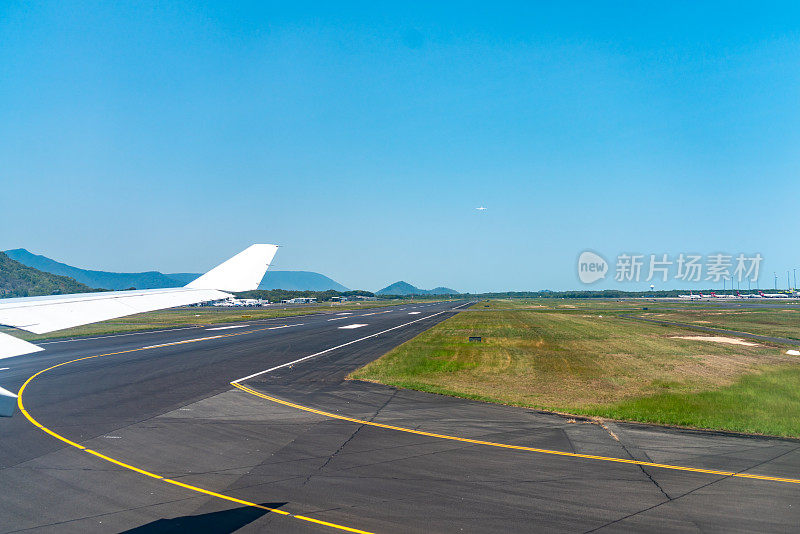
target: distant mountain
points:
(399, 288)
(442, 291)
(181, 279)
(290, 280)
(404, 288)
(18, 280)
(101, 279)
(299, 281)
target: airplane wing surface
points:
(48, 314)
(40, 315)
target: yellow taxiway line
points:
(518, 447)
(144, 472)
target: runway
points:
(321, 454)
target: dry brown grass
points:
(563, 361)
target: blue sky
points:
(360, 138)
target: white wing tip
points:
(243, 272)
(8, 403)
(13, 346)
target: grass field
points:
(196, 316)
(584, 357)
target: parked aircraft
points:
(774, 295)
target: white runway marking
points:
(345, 313)
(337, 319)
(118, 335)
(351, 326)
(413, 313)
(164, 330)
(320, 353)
(228, 327)
(212, 337)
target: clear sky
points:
(169, 135)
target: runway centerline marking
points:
(320, 353)
(155, 476)
(228, 327)
(352, 326)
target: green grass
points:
(761, 403)
(582, 357)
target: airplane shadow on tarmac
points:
(214, 522)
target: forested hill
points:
(18, 280)
(102, 279)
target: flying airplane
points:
(40, 315)
(481, 208)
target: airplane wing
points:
(40, 315)
(48, 314)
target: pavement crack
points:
(650, 477)
(349, 439)
(781, 455)
(687, 493)
(602, 424)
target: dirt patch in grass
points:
(719, 339)
(761, 321)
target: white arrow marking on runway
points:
(351, 326)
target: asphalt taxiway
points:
(146, 433)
